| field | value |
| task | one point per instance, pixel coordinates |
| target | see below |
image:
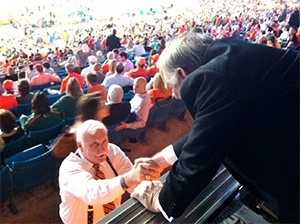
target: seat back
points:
(126, 89)
(52, 98)
(36, 88)
(26, 154)
(33, 172)
(14, 147)
(114, 136)
(178, 108)
(23, 109)
(127, 96)
(159, 113)
(5, 183)
(45, 135)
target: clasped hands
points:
(147, 191)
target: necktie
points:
(111, 205)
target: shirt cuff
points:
(169, 154)
(170, 219)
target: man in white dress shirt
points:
(80, 189)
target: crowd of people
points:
(92, 65)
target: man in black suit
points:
(112, 41)
(244, 99)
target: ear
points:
(78, 144)
(181, 73)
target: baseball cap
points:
(8, 84)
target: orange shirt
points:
(105, 68)
(98, 88)
(137, 72)
(64, 82)
(152, 70)
(156, 94)
(8, 101)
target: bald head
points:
(139, 85)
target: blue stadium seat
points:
(128, 96)
(178, 109)
(115, 137)
(22, 109)
(26, 154)
(52, 98)
(14, 147)
(36, 88)
(159, 114)
(45, 135)
(33, 172)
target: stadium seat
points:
(22, 109)
(178, 109)
(29, 173)
(36, 88)
(14, 147)
(45, 135)
(52, 98)
(115, 137)
(26, 154)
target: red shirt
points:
(8, 101)
(64, 82)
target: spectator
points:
(152, 68)
(43, 78)
(105, 65)
(25, 96)
(119, 110)
(10, 131)
(118, 78)
(140, 105)
(140, 70)
(42, 117)
(11, 74)
(78, 169)
(112, 41)
(70, 69)
(66, 104)
(128, 65)
(158, 92)
(99, 73)
(7, 101)
(92, 60)
(93, 86)
(82, 56)
(48, 69)
(137, 49)
(31, 73)
(111, 67)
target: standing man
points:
(112, 41)
(93, 179)
(82, 55)
(244, 99)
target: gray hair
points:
(115, 93)
(88, 127)
(186, 51)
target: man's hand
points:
(147, 193)
(121, 126)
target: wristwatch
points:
(123, 184)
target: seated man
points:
(93, 179)
(140, 106)
(119, 110)
(140, 70)
(43, 78)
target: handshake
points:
(145, 174)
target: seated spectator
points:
(128, 65)
(8, 86)
(66, 104)
(99, 73)
(116, 54)
(42, 117)
(158, 91)
(11, 74)
(273, 42)
(137, 49)
(152, 68)
(10, 131)
(43, 78)
(118, 78)
(111, 67)
(100, 57)
(140, 106)
(31, 73)
(70, 69)
(140, 70)
(119, 110)
(25, 96)
(93, 86)
(7, 101)
(105, 66)
(48, 69)
(92, 60)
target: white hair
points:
(88, 127)
(115, 93)
(186, 51)
(85, 48)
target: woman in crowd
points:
(25, 96)
(7, 101)
(111, 67)
(10, 131)
(66, 104)
(42, 117)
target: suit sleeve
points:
(215, 104)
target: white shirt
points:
(118, 79)
(140, 104)
(79, 188)
(87, 70)
(138, 50)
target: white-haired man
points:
(92, 60)
(81, 56)
(244, 99)
(93, 179)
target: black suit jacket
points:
(118, 112)
(245, 105)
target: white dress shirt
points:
(79, 188)
(118, 79)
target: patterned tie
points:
(111, 205)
